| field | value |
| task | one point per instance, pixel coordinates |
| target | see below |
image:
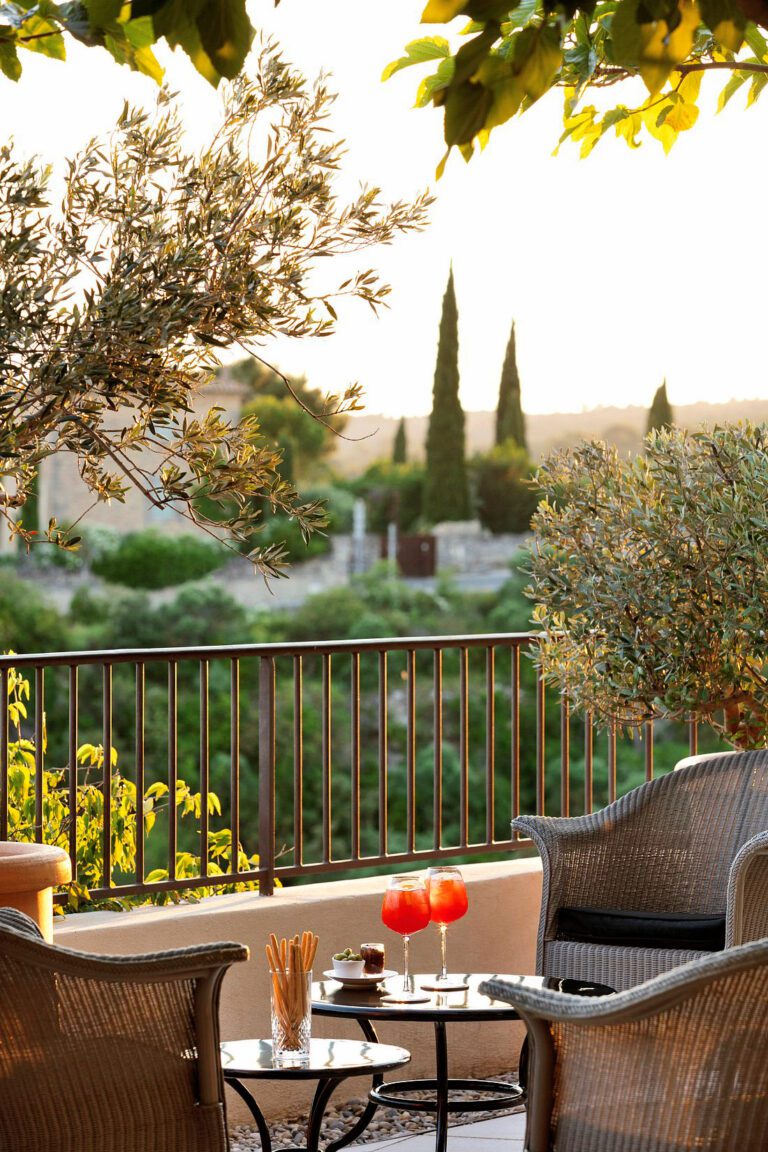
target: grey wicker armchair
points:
(672, 870)
(673, 1065)
(109, 1053)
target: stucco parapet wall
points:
(497, 935)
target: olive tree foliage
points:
(509, 55)
(650, 577)
(215, 34)
(116, 306)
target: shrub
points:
(28, 623)
(506, 499)
(393, 493)
(153, 560)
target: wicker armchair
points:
(673, 1065)
(692, 844)
(109, 1053)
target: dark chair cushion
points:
(700, 933)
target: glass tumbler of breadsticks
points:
(290, 965)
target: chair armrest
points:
(747, 906)
(148, 968)
(20, 922)
(635, 1003)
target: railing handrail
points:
(287, 648)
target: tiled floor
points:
(502, 1135)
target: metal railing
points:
(328, 757)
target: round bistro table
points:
(467, 1005)
(330, 1062)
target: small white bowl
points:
(349, 968)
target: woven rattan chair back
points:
(690, 842)
(105, 1054)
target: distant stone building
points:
(63, 494)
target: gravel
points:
(387, 1123)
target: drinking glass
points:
(291, 1017)
(405, 909)
(447, 902)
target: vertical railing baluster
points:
(298, 761)
(140, 686)
(234, 761)
(106, 744)
(4, 753)
(589, 762)
(355, 748)
(565, 756)
(383, 754)
(410, 795)
(173, 763)
(327, 755)
(611, 763)
(514, 723)
(463, 747)
(267, 775)
(437, 727)
(649, 737)
(39, 751)
(205, 765)
(540, 743)
(693, 738)
(490, 744)
(72, 743)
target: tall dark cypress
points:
(510, 421)
(400, 448)
(446, 491)
(660, 412)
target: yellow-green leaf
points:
(731, 89)
(730, 35)
(419, 52)
(147, 63)
(537, 60)
(663, 49)
(10, 64)
(682, 116)
(441, 11)
(690, 86)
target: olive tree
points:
(117, 304)
(650, 577)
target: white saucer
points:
(360, 981)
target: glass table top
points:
(333, 1058)
(331, 999)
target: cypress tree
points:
(446, 491)
(660, 412)
(510, 421)
(399, 448)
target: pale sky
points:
(618, 270)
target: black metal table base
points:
(323, 1093)
(394, 1094)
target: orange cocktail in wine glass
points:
(447, 902)
(405, 909)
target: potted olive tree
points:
(650, 577)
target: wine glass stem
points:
(406, 976)
(443, 960)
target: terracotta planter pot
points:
(28, 875)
